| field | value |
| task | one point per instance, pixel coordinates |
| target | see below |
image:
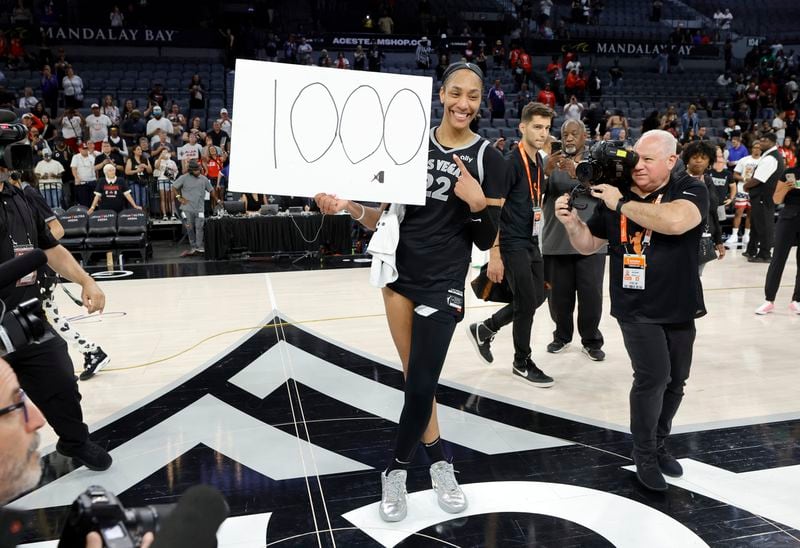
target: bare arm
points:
(781, 190)
(367, 216)
(673, 218)
(64, 264)
(56, 229)
(579, 234)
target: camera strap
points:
(623, 233)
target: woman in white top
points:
(116, 17)
(28, 101)
(111, 110)
(71, 124)
(166, 170)
(73, 89)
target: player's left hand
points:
(468, 189)
(721, 251)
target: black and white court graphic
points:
(294, 430)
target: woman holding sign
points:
(466, 180)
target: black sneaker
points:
(594, 354)
(668, 464)
(648, 473)
(528, 371)
(481, 338)
(90, 455)
(93, 362)
(556, 346)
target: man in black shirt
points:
(45, 370)
(515, 255)
(112, 193)
(653, 228)
(108, 157)
(218, 137)
(761, 186)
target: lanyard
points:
(623, 230)
(534, 198)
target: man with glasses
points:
(20, 469)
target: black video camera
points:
(97, 509)
(22, 326)
(607, 162)
(14, 154)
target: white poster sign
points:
(301, 130)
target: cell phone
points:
(555, 146)
(790, 178)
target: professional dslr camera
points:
(22, 326)
(607, 162)
(97, 509)
(14, 153)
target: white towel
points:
(383, 246)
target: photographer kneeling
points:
(20, 469)
(652, 226)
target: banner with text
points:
(619, 48)
(131, 36)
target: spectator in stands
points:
(72, 84)
(524, 96)
(736, 150)
(212, 165)
(359, 58)
(38, 145)
(423, 53)
(732, 127)
(374, 57)
(28, 100)
(48, 174)
(779, 125)
(324, 59)
(573, 110)
(112, 193)
(787, 149)
(726, 23)
(133, 128)
(225, 122)
(341, 61)
(108, 157)
(689, 120)
(49, 130)
(71, 124)
(545, 8)
(97, 123)
(743, 171)
(616, 73)
(594, 86)
(127, 109)
(616, 123)
(63, 156)
(555, 73)
(49, 87)
(84, 175)
(197, 129)
(190, 151)
(31, 121)
(480, 60)
(498, 54)
(304, 51)
(197, 96)
(117, 143)
(190, 191)
(158, 122)
(496, 101)
(116, 17)
(159, 143)
(111, 110)
(792, 125)
(138, 171)
(60, 64)
(177, 120)
(386, 23)
(165, 170)
(547, 97)
(218, 137)
(157, 96)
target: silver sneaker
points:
(443, 479)
(393, 505)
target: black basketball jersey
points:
(435, 245)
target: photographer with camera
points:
(569, 273)
(652, 224)
(515, 254)
(20, 467)
(45, 369)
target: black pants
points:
(430, 339)
(661, 356)
(762, 211)
(84, 194)
(787, 234)
(46, 374)
(570, 276)
(524, 271)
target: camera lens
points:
(586, 172)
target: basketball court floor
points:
(282, 389)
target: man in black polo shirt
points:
(516, 255)
(45, 370)
(653, 229)
(761, 186)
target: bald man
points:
(652, 228)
